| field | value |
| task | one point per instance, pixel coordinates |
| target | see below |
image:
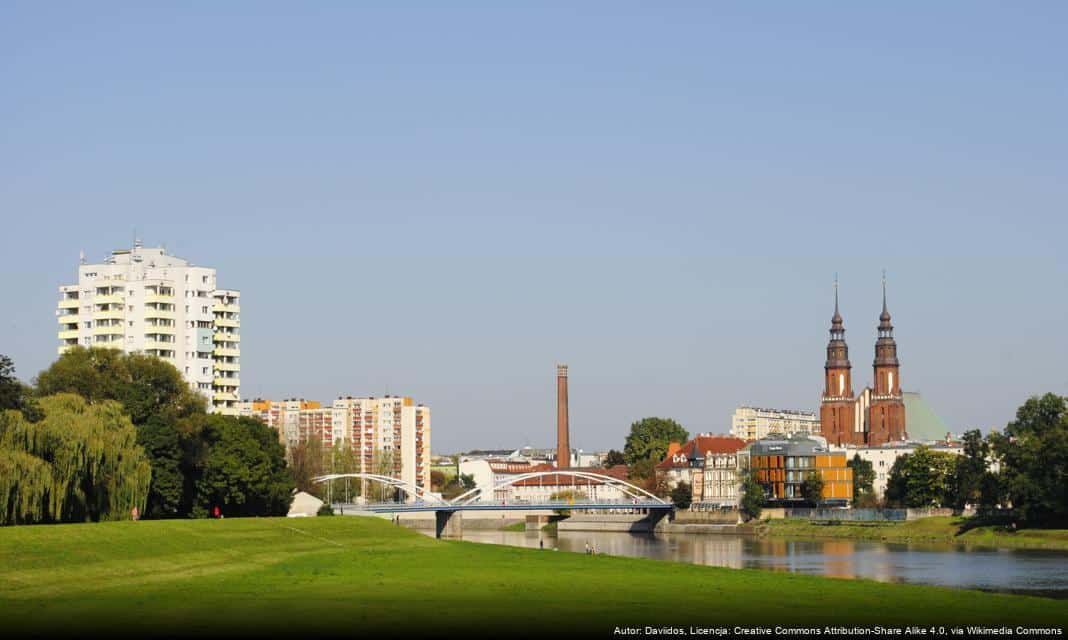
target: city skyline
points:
(445, 207)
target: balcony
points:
(225, 336)
(226, 382)
(153, 345)
(158, 298)
(111, 298)
(70, 334)
(108, 330)
(68, 303)
(110, 314)
(158, 313)
(68, 319)
(223, 396)
(229, 323)
(227, 366)
(226, 352)
(220, 307)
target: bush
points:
(325, 510)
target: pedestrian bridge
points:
(482, 499)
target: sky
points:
(445, 200)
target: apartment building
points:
(143, 300)
(390, 435)
(754, 423)
(782, 463)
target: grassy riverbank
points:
(953, 530)
(342, 574)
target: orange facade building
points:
(782, 464)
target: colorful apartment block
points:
(389, 435)
(782, 463)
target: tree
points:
(1033, 455)
(305, 460)
(649, 439)
(383, 464)
(812, 488)
(437, 480)
(80, 462)
(10, 387)
(863, 481)
(342, 460)
(682, 495)
(614, 458)
(970, 470)
(570, 496)
(243, 471)
(158, 401)
(753, 497)
(15, 395)
(922, 478)
(458, 485)
(642, 470)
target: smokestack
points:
(563, 441)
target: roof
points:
(619, 472)
(921, 422)
(794, 445)
(699, 447)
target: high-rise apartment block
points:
(389, 435)
(145, 301)
(754, 423)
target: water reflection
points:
(1033, 571)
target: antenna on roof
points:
(81, 257)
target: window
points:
(203, 309)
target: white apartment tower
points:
(145, 301)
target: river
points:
(1035, 572)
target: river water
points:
(1018, 570)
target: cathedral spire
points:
(885, 328)
(837, 351)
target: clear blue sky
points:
(445, 201)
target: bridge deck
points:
(409, 507)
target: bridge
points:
(480, 499)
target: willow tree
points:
(80, 462)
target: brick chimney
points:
(563, 440)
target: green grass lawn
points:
(949, 529)
(345, 575)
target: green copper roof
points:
(921, 422)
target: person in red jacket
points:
(216, 511)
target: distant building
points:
(754, 423)
(686, 462)
(143, 300)
(390, 435)
(716, 478)
(882, 458)
(782, 463)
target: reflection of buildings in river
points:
(839, 558)
(715, 551)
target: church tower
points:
(837, 407)
(887, 411)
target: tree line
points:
(1021, 471)
(101, 432)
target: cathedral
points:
(875, 416)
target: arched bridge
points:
(477, 499)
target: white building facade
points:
(755, 423)
(143, 300)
